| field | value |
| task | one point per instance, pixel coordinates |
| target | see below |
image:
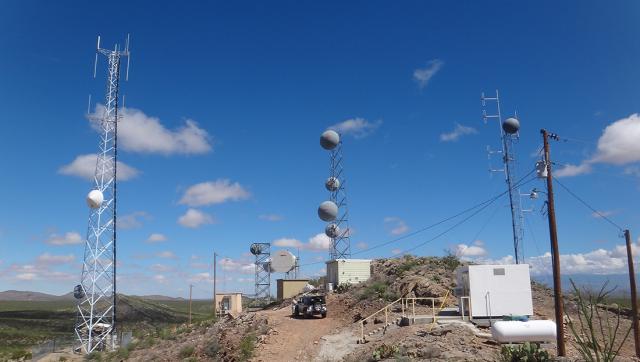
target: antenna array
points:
(509, 136)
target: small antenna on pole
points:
(89, 105)
(126, 78)
(95, 62)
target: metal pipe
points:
(634, 297)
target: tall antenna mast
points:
(95, 326)
(262, 252)
(508, 136)
(335, 211)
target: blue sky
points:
(226, 102)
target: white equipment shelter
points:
(494, 290)
(348, 271)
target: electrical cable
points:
(588, 206)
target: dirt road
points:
(300, 339)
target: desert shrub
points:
(450, 260)
(20, 355)
(342, 288)
(211, 349)
(186, 351)
(122, 353)
(385, 351)
(408, 264)
(62, 359)
(94, 356)
(377, 289)
(524, 352)
(247, 344)
(596, 331)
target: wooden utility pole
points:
(553, 234)
(214, 284)
(634, 297)
(190, 292)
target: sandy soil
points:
(300, 339)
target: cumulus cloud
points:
(162, 268)
(602, 213)
(195, 218)
(214, 192)
(69, 238)
(458, 131)
(396, 225)
(48, 259)
(228, 264)
(422, 76)
(356, 127)
(362, 245)
(470, 251)
(319, 242)
(271, 217)
(138, 132)
(84, 166)
(288, 243)
(133, 220)
(167, 255)
(619, 142)
(573, 170)
(396, 251)
(159, 278)
(617, 145)
(156, 238)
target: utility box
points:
(228, 303)
(494, 290)
(348, 271)
(288, 288)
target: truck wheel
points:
(324, 315)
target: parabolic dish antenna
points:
(329, 139)
(328, 211)
(282, 262)
(332, 184)
(511, 125)
(95, 198)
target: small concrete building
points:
(229, 303)
(288, 288)
(494, 290)
(347, 271)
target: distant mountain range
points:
(23, 296)
(591, 281)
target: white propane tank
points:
(94, 199)
(530, 331)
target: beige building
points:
(347, 271)
(228, 303)
(288, 288)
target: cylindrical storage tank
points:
(330, 287)
(531, 331)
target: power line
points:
(481, 205)
(588, 206)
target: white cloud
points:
(619, 142)
(423, 75)
(271, 217)
(632, 170)
(69, 238)
(200, 277)
(195, 218)
(319, 242)
(84, 166)
(138, 132)
(214, 192)
(26, 276)
(458, 131)
(573, 170)
(237, 266)
(357, 127)
(288, 243)
(48, 259)
(133, 220)
(470, 251)
(396, 225)
(396, 251)
(362, 245)
(166, 255)
(161, 268)
(156, 238)
(159, 278)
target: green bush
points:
(20, 355)
(211, 350)
(450, 260)
(376, 290)
(530, 352)
(94, 356)
(385, 351)
(186, 351)
(247, 344)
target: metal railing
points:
(408, 309)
